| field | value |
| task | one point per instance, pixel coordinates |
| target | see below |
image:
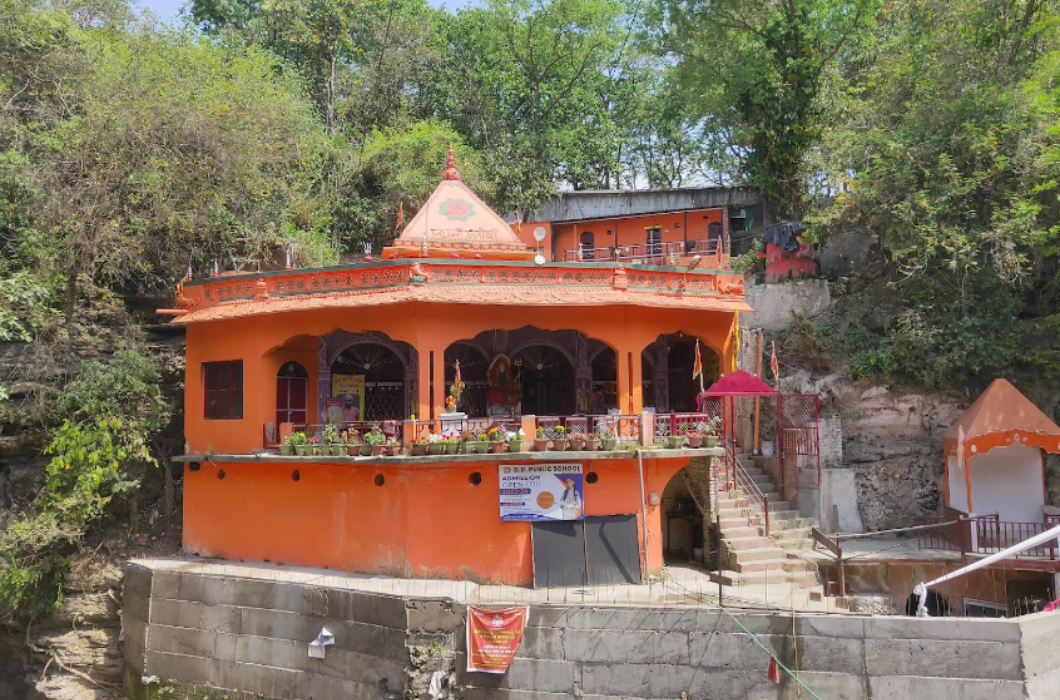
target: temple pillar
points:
(628, 371)
(662, 374)
(440, 389)
(583, 376)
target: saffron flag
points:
(773, 365)
(774, 670)
(697, 368)
(401, 215)
(518, 224)
(493, 637)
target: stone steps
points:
(749, 554)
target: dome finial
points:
(450, 167)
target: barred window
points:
(224, 390)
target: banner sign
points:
(348, 390)
(493, 637)
(541, 492)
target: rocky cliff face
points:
(75, 653)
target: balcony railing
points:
(985, 534)
(648, 253)
(628, 429)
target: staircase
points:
(755, 557)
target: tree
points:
(756, 66)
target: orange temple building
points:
(587, 345)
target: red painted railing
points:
(985, 535)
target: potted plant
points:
(451, 440)
(353, 444)
(393, 447)
(577, 441)
(376, 441)
(559, 443)
(515, 440)
(693, 437)
(315, 446)
(540, 441)
(675, 442)
(467, 442)
(496, 437)
(592, 442)
(299, 443)
(608, 440)
(419, 448)
(435, 446)
(481, 445)
(331, 441)
(710, 432)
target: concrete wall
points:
(774, 304)
(250, 635)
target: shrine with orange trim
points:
(590, 346)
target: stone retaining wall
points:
(250, 635)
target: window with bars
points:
(224, 390)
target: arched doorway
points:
(681, 356)
(687, 537)
(547, 379)
(473, 365)
(604, 394)
(383, 375)
(292, 392)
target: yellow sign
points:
(349, 389)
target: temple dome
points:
(455, 222)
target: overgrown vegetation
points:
(107, 420)
(131, 151)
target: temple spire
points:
(450, 167)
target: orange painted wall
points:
(265, 343)
(632, 230)
(424, 521)
(526, 235)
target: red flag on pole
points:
(697, 367)
(773, 365)
(401, 215)
(774, 670)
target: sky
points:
(168, 10)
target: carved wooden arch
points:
(341, 341)
(598, 351)
(547, 343)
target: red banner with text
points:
(493, 637)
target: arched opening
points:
(545, 378)
(604, 389)
(681, 354)
(684, 529)
(473, 366)
(368, 383)
(292, 393)
(666, 372)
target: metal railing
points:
(985, 534)
(660, 253)
(626, 428)
(757, 508)
(670, 424)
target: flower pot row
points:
(339, 450)
(575, 444)
(678, 441)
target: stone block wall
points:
(249, 635)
